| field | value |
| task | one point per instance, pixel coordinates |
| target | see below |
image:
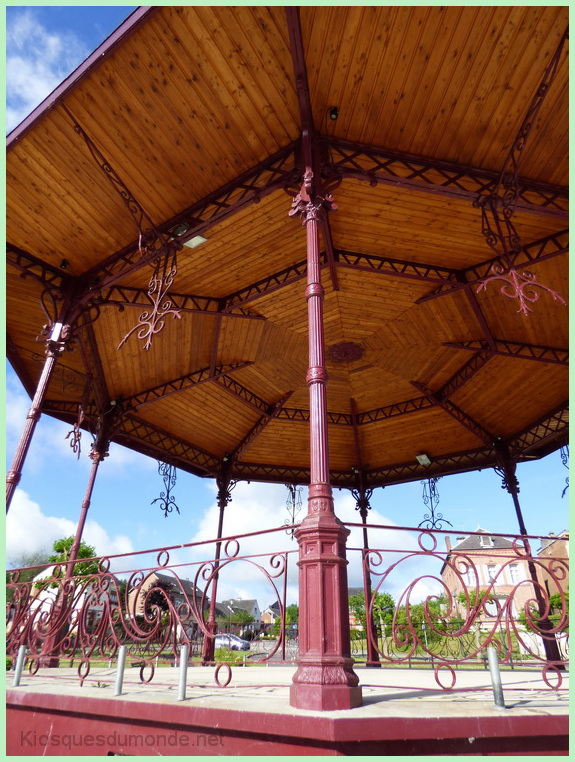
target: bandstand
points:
(317, 246)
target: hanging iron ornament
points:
(293, 505)
(432, 520)
(152, 321)
(75, 434)
(166, 500)
(565, 460)
(155, 249)
(362, 500)
(519, 286)
(498, 206)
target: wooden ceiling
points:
(194, 113)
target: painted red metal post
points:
(362, 497)
(324, 678)
(54, 348)
(225, 485)
(62, 606)
(507, 471)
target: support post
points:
(495, 677)
(507, 468)
(362, 497)
(225, 485)
(362, 505)
(55, 346)
(324, 679)
(51, 645)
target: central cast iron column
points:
(225, 485)
(507, 469)
(324, 678)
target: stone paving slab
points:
(387, 692)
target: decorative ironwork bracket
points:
(75, 435)
(432, 520)
(519, 286)
(565, 460)
(155, 248)
(293, 506)
(166, 500)
(498, 207)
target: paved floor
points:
(387, 692)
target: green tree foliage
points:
(239, 616)
(292, 617)
(61, 553)
(483, 596)
(27, 574)
(158, 596)
(383, 609)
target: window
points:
(492, 570)
(513, 573)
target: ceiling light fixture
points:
(423, 459)
(333, 113)
(195, 241)
(179, 229)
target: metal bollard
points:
(183, 672)
(495, 677)
(120, 672)
(19, 666)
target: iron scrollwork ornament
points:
(565, 461)
(154, 247)
(498, 206)
(166, 500)
(293, 505)
(432, 520)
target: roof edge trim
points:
(102, 52)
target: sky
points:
(44, 44)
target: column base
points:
(325, 685)
(325, 697)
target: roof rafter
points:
(180, 384)
(29, 265)
(126, 296)
(378, 165)
(258, 428)
(465, 373)
(455, 412)
(274, 173)
(551, 426)
(514, 349)
(549, 246)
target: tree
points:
(28, 565)
(292, 618)
(61, 553)
(483, 596)
(159, 596)
(383, 607)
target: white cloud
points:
(50, 438)
(30, 531)
(36, 62)
(256, 507)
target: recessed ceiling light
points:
(195, 241)
(423, 459)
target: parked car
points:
(231, 642)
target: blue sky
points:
(44, 44)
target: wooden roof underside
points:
(196, 110)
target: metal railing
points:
(426, 607)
